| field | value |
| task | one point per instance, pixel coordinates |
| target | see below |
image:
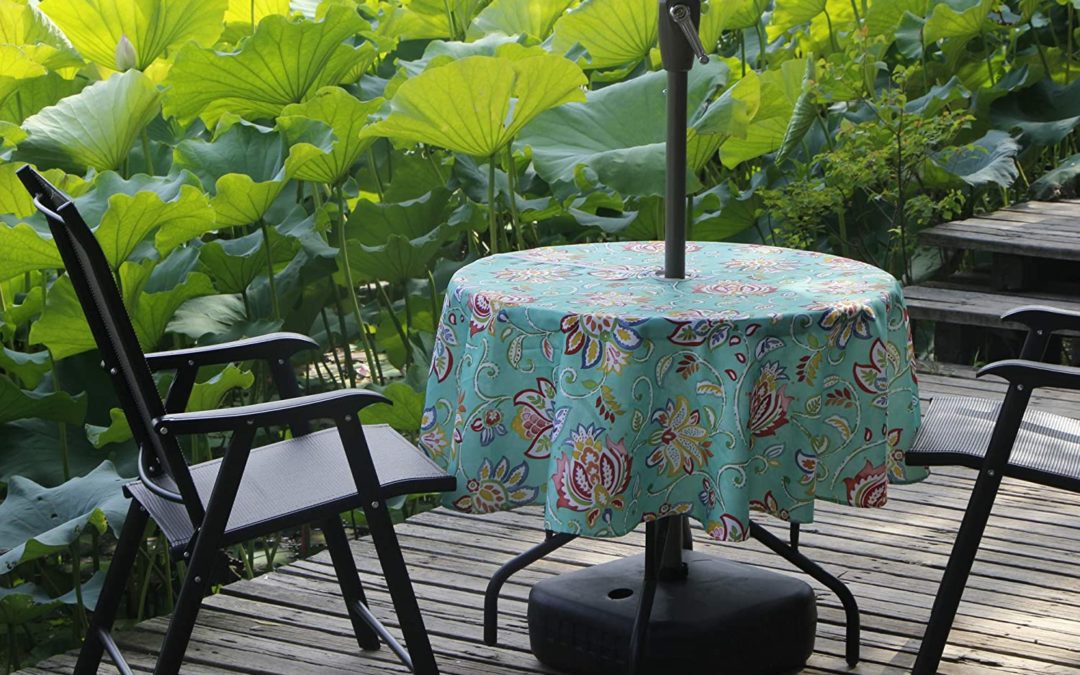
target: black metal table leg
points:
(793, 556)
(552, 542)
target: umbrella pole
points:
(675, 201)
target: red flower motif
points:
(869, 487)
(537, 420)
(594, 476)
(768, 401)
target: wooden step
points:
(963, 304)
(1034, 229)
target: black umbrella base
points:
(724, 618)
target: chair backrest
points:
(161, 459)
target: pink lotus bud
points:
(126, 58)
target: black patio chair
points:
(310, 478)
(998, 439)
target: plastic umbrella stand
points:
(672, 609)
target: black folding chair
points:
(998, 440)
(312, 477)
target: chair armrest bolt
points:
(187, 554)
(281, 361)
(1039, 332)
(198, 580)
(375, 504)
(164, 431)
(112, 371)
(1019, 387)
(251, 423)
(191, 362)
(990, 472)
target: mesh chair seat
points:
(957, 430)
(295, 476)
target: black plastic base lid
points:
(724, 618)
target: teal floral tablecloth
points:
(578, 378)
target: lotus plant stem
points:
(375, 172)
(76, 578)
(493, 222)
(365, 339)
(408, 308)
(1069, 42)
(12, 650)
(832, 35)
(396, 321)
(434, 291)
(435, 165)
(252, 16)
(144, 587)
(742, 51)
(276, 307)
(167, 566)
(330, 339)
(1039, 45)
(515, 218)
(989, 60)
(855, 9)
(762, 44)
(61, 426)
(147, 157)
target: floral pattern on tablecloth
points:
(579, 378)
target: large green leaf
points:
(28, 368)
(404, 412)
(534, 18)
(791, 13)
(991, 159)
(28, 602)
(235, 263)
(17, 404)
(1053, 184)
(36, 521)
(243, 168)
(14, 198)
(397, 242)
(284, 62)
(477, 105)
(957, 22)
(128, 211)
(345, 115)
(1044, 113)
(63, 329)
(617, 135)
(95, 27)
(210, 394)
(94, 128)
(32, 449)
(23, 249)
(613, 32)
(738, 14)
(780, 91)
(252, 12)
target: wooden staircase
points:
(1027, 254)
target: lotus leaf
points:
(345, 115)
(17, 404)
(94, 128)
(36, 521)
(207, 317)
(780, 91)
(404, 412)
(616, 136)
(28, 368)
(1052, 185)
(235, 263)
(13, 196)
(32, 449)
(252, 12)
(990, 159)
(23, 249)
(1044, 113)
(477, 105)
(95, 27)
(63, 329)
(396, 242)
(791, 13)
(534, 18)
(613, 32)
(284, 62)
(118, 430)
(738, 14)
(27, 602)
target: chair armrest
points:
(262, 348)
(333, 405)
(1033, 374)
(1047, 319)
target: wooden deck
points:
(1021, 612)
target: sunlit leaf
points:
(613, 32)
(235, 263)
(345, 115)
(94, 128)
(518, 17)
(210, 394)
(477, 105)
(780, 90)
(28, 368)
(738, 14)
(240, 11)
(403, 413)
(802, 117)
(284, 62)
(95, 27)
(23, 249)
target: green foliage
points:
(325, 167)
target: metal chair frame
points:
(1024, 375)
(163, 470)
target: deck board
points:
(1021, 611)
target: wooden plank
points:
(962, 305)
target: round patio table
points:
(579, 378)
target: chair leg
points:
(401, 591)
(349, 580)
(956, 572)
(188, 604)
(116, 579)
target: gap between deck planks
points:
(1021, 612)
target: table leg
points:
(552, 542)
(793, 556)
